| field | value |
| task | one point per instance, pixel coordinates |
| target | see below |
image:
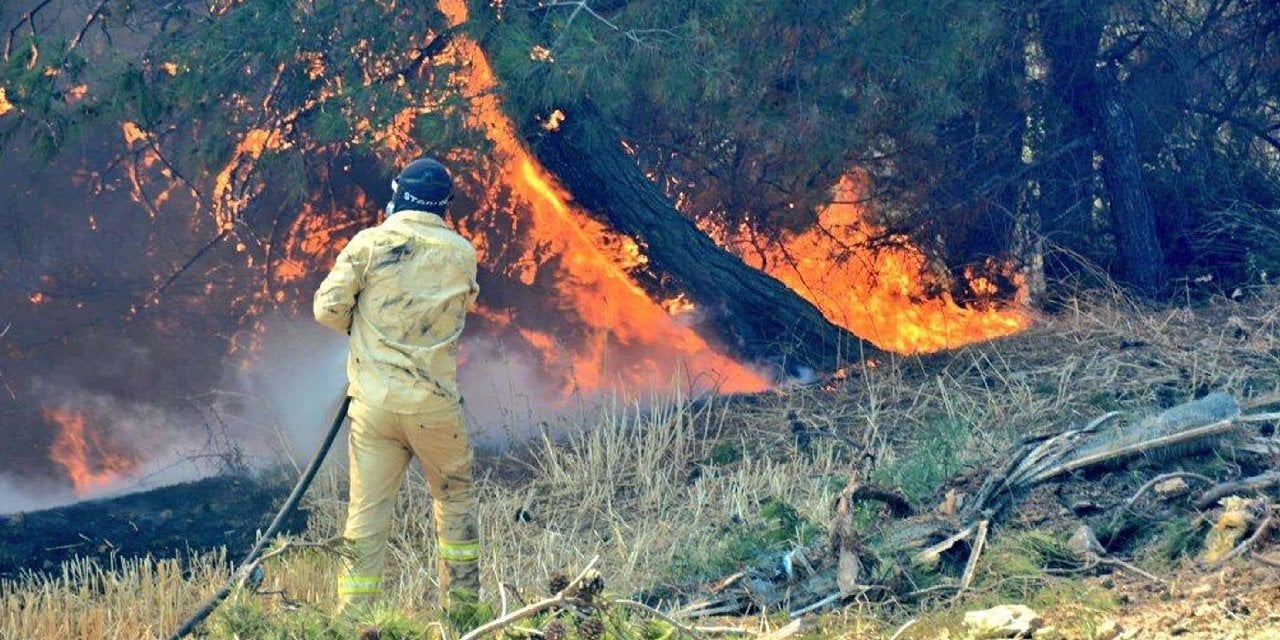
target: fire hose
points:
(247, 565)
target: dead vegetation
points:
(679, 497)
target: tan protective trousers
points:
(381, 445)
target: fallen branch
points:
(730, 631)
(1164, 477)
(245, 572)
(1264, 559)
(640, 606)
(817, 605)
(28, 17)
(784, 632)
(1116, 562)
(979, 542)
(903, 629)
(1254, 483)
(562, 598)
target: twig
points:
(291, 545)
(728, 631)
(1264, 559)
(561, 598)
(786, 631)
(817, 605)
(903, 629)
(979, 542)
(28, 17)
(1254, 483)
(1147, 487)
(1116, 562)
(93, 15)
(1247, 545)
(640, 606)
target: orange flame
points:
(5, 105)
(879, 294)
(88, 455)
(633, 340)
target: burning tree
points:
(647, 183)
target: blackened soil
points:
(169, 522)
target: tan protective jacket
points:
(402, 291)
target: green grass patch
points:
(777, 527)
(933, 458)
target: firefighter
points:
(402, 290)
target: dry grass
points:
(656, 491)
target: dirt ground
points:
(170, 522)
(1238, 602)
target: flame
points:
(5, 105)
(229, 197)
(77, 93)
(881, 293)
(630, 337)
(88, 455)
(133, 134)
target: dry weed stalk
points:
(634, 485)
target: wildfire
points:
(5, 105)
(879, 293)
(90, 458)
(226, 191)
(632, 339)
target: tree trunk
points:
(1133, 221)
(1071, 35)
(752, 314)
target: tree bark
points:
(1133, 220)
(753, 315)
(1071, 35)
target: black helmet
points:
(423, 185)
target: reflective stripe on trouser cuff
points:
(358, 585)
(459, 551)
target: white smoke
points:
(167, 449)
(283, 396)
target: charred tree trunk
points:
(1071, 35)
(754, 315)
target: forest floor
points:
(675, 493)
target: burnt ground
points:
(170, 522)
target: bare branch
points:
(88, 22)
(29, 19)
(564, 597)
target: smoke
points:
(157, 442)
(282, 396)
(274, 403)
